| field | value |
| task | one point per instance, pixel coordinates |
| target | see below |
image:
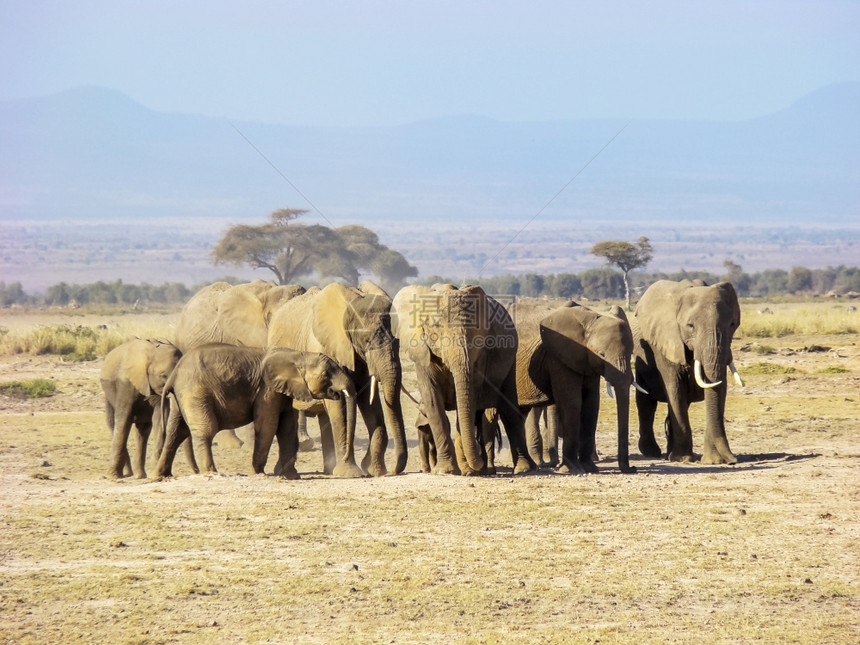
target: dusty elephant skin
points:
(683, 337)
(463, 345)
(222, 386)
(132, 378)
(561, 362)
(236, 315)
(353, 327)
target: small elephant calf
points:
(221, 386)
(133, 377)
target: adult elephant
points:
(560, 361)
(464, 346)
(219, 386)
(352, 326)
(236, 315)
(683, 332)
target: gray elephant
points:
(464, 345)
(217, 386)
(560, 361)
(132, 379)
(236, 315)
(683, 332)
(352, 326)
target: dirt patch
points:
(764, 551)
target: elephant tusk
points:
(700, 377)
(640, 388)
(346, 394)
(609, 391)
(735, 374)
(372, 389)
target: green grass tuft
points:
(33, 389)
(769, 368)
(833, 369)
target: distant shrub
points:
(833, 369)
(32, 389)
(769, 368)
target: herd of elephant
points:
(270, 354)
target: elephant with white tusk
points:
(683, 333)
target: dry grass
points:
(765, 551)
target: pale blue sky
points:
(322, 62)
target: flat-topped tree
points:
(626, 256)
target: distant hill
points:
(93, 153)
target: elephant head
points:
(589, 343)
(446, 332)
(691, 327)
(149, 368)
(353, 326)
(305, 376)
(690, 323)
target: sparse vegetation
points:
(764, 551)
(32, 389)
(77, 343)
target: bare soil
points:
(763, 551)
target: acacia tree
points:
(292, 250)
(626, 256)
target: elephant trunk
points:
(713, 358)
(385, 368)
(622, 406)
(466, 413)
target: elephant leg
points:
(426, 448)
(306, 444)
(534, 439)
(120, 461)
(345, 466)
(550, 439)
(203, 447)
(434, 410)
(646, 408)
(266, 419)
(288, 445)
(230, 439)
(144, 427)
(514, 422)
(681, 434)
(489, 428)
(327, 441)
(567, 392)
(177, 432)
(374, 460)
(188, 449)
(588, 423)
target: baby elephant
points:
(133, 378)
(224, 386)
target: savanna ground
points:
(763, 551)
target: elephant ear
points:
(241, 317)
(406, 323)
(563, 336)
(330, 309)
(283, 372)
(136, 367)
(657, 317)
(730, 297)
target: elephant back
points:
(197, 322)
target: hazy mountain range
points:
(94, 153)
